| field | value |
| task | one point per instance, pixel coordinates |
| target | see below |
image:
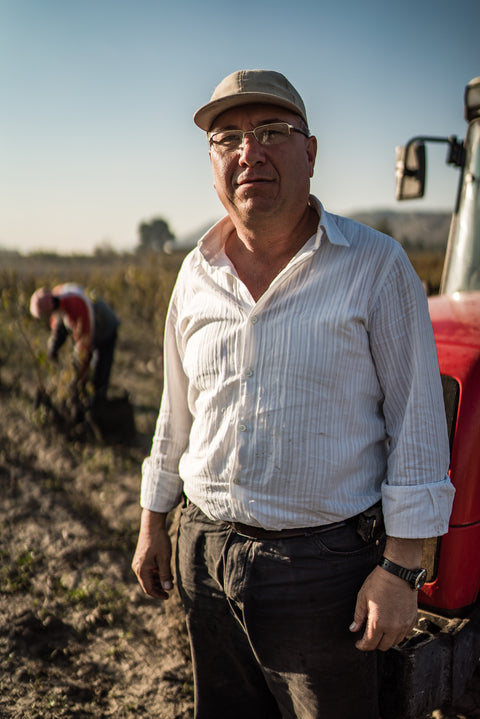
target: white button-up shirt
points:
(309, 405)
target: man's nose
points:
(251, 151)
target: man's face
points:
(257, 181)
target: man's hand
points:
(151, 562)
(387, 609)
(386, 605)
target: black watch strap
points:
(415, 577)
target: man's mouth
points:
(251, 180)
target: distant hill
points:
(414, 230)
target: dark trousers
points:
(103, 366)
(268, 622)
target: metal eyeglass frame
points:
(291, 128)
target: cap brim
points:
(205, 115)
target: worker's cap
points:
(41, 303)
(250, 86)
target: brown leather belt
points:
(244, 530)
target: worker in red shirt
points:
(92, 324)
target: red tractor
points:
(433, 666)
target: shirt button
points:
(254, 320)
(237, 480)
(249, 372)
(242, 428)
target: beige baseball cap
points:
(247, 86)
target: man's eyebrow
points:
(224, 127)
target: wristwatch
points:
(415, 577)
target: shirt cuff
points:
(160, 492)
(417, 511)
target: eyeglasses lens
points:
(273, 133)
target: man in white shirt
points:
(301, 395)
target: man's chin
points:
(252, 189)
(255, 198)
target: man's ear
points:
(312, 152)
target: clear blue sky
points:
(97, 98)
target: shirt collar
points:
(327, 225)
(212, 243)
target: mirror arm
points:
(456, 148)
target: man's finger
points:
(153, 586)
(371, 638)
(166, 581)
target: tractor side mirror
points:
(410, 168)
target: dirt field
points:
(77, 636)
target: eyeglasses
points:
(273, 133)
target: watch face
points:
(420, 579)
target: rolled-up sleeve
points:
(417, 493)
(417, 512)
(161, 484)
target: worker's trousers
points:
(269, 622)
(104, 352)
